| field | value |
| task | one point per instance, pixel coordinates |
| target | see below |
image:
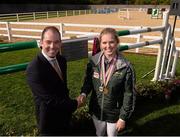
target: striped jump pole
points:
(162, 29)
(160, 58)
(142, 30)
(141, 44)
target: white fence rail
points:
(41, 15)
(32, 30)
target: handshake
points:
(81, 99)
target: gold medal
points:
(105, 91)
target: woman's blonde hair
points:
(109, 31)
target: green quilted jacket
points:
(119, 102)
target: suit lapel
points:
(47, 65)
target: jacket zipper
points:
(102, 106)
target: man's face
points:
(51, 43)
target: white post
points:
(166, 48)
(73, 12)
(34, 16)
(138, 40)
(62, 34)
(47, 13)
(158, 63)
(9, 31)
(17, 16)
(79, 12)
(61, 29)
(128, 14)
(57, 13)
(119, 14)
(161, 48)
(173, 70)
(169, 63)
(66, 12)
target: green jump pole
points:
(123, 32)
(123, 47)
(18, 46)
(140, 30)
(140, 44)
(13, 68)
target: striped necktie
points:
(57, 68)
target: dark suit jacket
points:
(53, 105)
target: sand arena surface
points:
(137, 18)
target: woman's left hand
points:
(120, 125)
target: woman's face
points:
(108, 44)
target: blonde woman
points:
(111, 80)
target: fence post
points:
(73, 12)
(61, 29)
(34, 16)
(57, 13)
(79, 12)
(47, 13)
(61, 32)
(66, 13)
(17, 16)
(9, 31)
(128, 16)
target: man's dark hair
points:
(53, 29)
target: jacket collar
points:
(121, 61)
(47, 57)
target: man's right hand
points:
(81, 99)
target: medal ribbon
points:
(106, 75)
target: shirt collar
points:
(106, 61)
(48, 58)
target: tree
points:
(139, 2)
(96, 1)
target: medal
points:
(101, 88)
(105, 91)
(105, 75)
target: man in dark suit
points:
(48, 83)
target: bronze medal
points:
(105, 75)
(105, 91)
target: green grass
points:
(151, 117)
